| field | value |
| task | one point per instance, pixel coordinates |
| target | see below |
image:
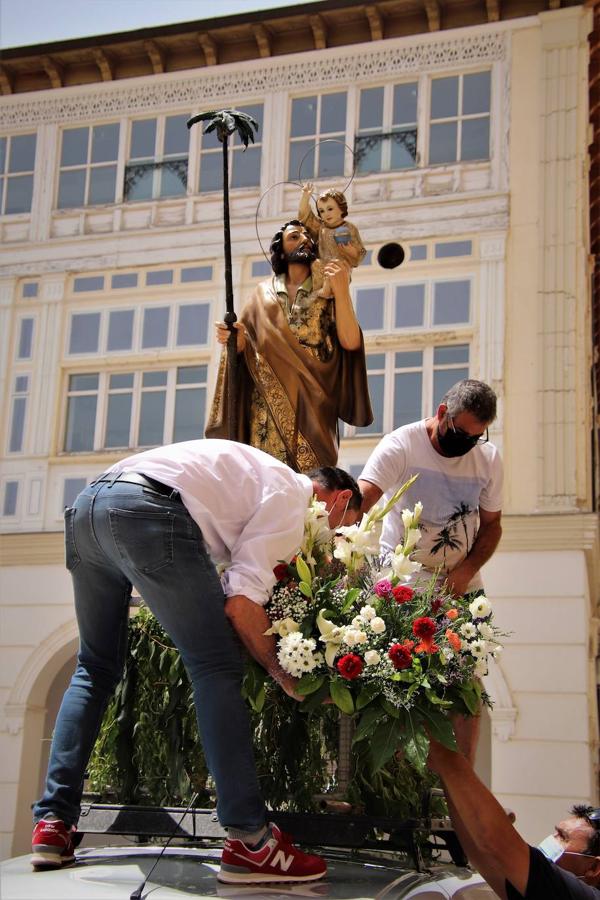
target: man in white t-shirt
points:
(460, 487)
(459, 484)
(160, 521)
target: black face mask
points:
(454, 443)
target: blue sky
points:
(24, 22)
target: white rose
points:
(480, 608)
(372, 657)
(358, 621)
(368, 613)
(377, 625)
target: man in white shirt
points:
(160, 521)
(459, 485)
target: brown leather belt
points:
(137, 478)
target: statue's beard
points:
(302, 255)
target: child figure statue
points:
(337, 238)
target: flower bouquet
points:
(397, 656)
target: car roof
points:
(113, 873)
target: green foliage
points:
(148, 750)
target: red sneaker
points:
(52, 845)
(277, 859)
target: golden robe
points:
(295, 381)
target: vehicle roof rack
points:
(355, 832)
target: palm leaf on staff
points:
(226, 122)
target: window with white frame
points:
(88, 166)
(109, 410)
(147, 328)
(459, 118)
(387, 128)
(17, 163)
(408, 385)
(157, 163)
(317, 136)
(421, 305)
(18, 413)
(244, 163)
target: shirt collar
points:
(280, 285)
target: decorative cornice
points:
(347, 66)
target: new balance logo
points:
(280, 859)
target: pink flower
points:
(383, 588)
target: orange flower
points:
(452, 614)
(453, 639)
(427, 645)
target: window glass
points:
(120, 330)
(211, 172)
(30, 289)
(93, 283)
(71, 488)
(442, 142)
(457, 353)
(71, 188)
(19, 191)
(118, 420)
(189, 414)
(154, 379)
(304, 116)
(196, 273)
(81, 421)
(443, 380)
(405, 104)
(333, 112)
(453, 248)
(476, 93)
(74, 146)
(102, 185)
(370, 305)
(192, 327)
(85, 328)
(408, 393)
(17, 424)
(408, 359)
(191, 374)
(173, 182)
(25, 339)
(371, 108)
(475, 139)
(125, 280)
(376, 391)
(3, 142)
(121, 380)
(246, 168)
(156, 327)
(410, 306)
(163, 276)
(105, 143)
(11, 492)
(143, 139)
(152, 418)
(451, 302)
(444, 97)
(177, 135)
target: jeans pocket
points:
(143, 539)
(72, 558)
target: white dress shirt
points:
(250, 507)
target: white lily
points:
(331, 635)
(402, 566)
(283, 627)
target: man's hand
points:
(458, 580)
(337, 272)
(223, 333)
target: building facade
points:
(464, 140)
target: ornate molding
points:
(12, 717)
(504, 713)
(346, 66)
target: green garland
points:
(148, 750)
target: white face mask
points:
(552, 848)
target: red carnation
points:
(350, 666)
(424, 628)
(400, 656)
(281, 572)
(402, 593)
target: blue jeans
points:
(118, 535)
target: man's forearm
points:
(484, 545)
(250, 622)
(491, 843)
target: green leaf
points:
(438, 725)
(384, 743)
(367, 693)
(367, 723)
(351, 596)
(305, 589)
(314, 701)
(416, 751)
(308, 684)
(342, 697)
(437, 701)
(303, 570)
(390, 709)
(470, 694)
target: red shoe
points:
(277, 859)
(52, 845)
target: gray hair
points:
(475, 397)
